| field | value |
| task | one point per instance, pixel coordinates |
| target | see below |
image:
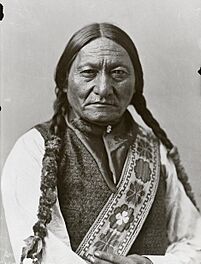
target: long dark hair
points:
(61, 106)
(75, 44)
(80, 39)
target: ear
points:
(65, 88)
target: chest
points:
(83, 193)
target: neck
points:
(93, 128)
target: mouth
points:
(103, 104)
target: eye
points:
(119, 74)
(89, 73)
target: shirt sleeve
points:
(21, 179)
(184, 221)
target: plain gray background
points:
(167, 35)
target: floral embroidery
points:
(107, 242)
(144, 149)
(135, 193)
(122, 218)
(142, 170)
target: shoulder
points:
(143, 131)
(148, 140)
(44, 129)
(28, 147)
(34, 138)
(147, 135)
(31, 141)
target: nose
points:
(103, 86)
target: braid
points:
(141, 108)
(35, 244)
(139, 103)
(58, 122)
(50, 164)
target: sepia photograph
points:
(100, 134)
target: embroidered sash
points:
(122, 217)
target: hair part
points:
(80, 39)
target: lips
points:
(99, 103)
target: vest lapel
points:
(122, 217)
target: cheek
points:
(72, 99)
(126, 91)
(73, 92)
(73, 95)
(77, 89)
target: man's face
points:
(101, 82)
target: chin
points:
(103, 120)
(102, 117)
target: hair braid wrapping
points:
(35, 244)
(139, 103)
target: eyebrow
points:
(97, 65)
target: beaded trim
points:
(123, 216)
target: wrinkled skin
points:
(100, 87)
(101, 82)
(105, 258)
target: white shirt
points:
(21, 191)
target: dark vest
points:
(82, 193)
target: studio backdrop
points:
(168, 38)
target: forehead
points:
(103, 50)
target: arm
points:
(21, 192)
(184, 222)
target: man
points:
(109, 189)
